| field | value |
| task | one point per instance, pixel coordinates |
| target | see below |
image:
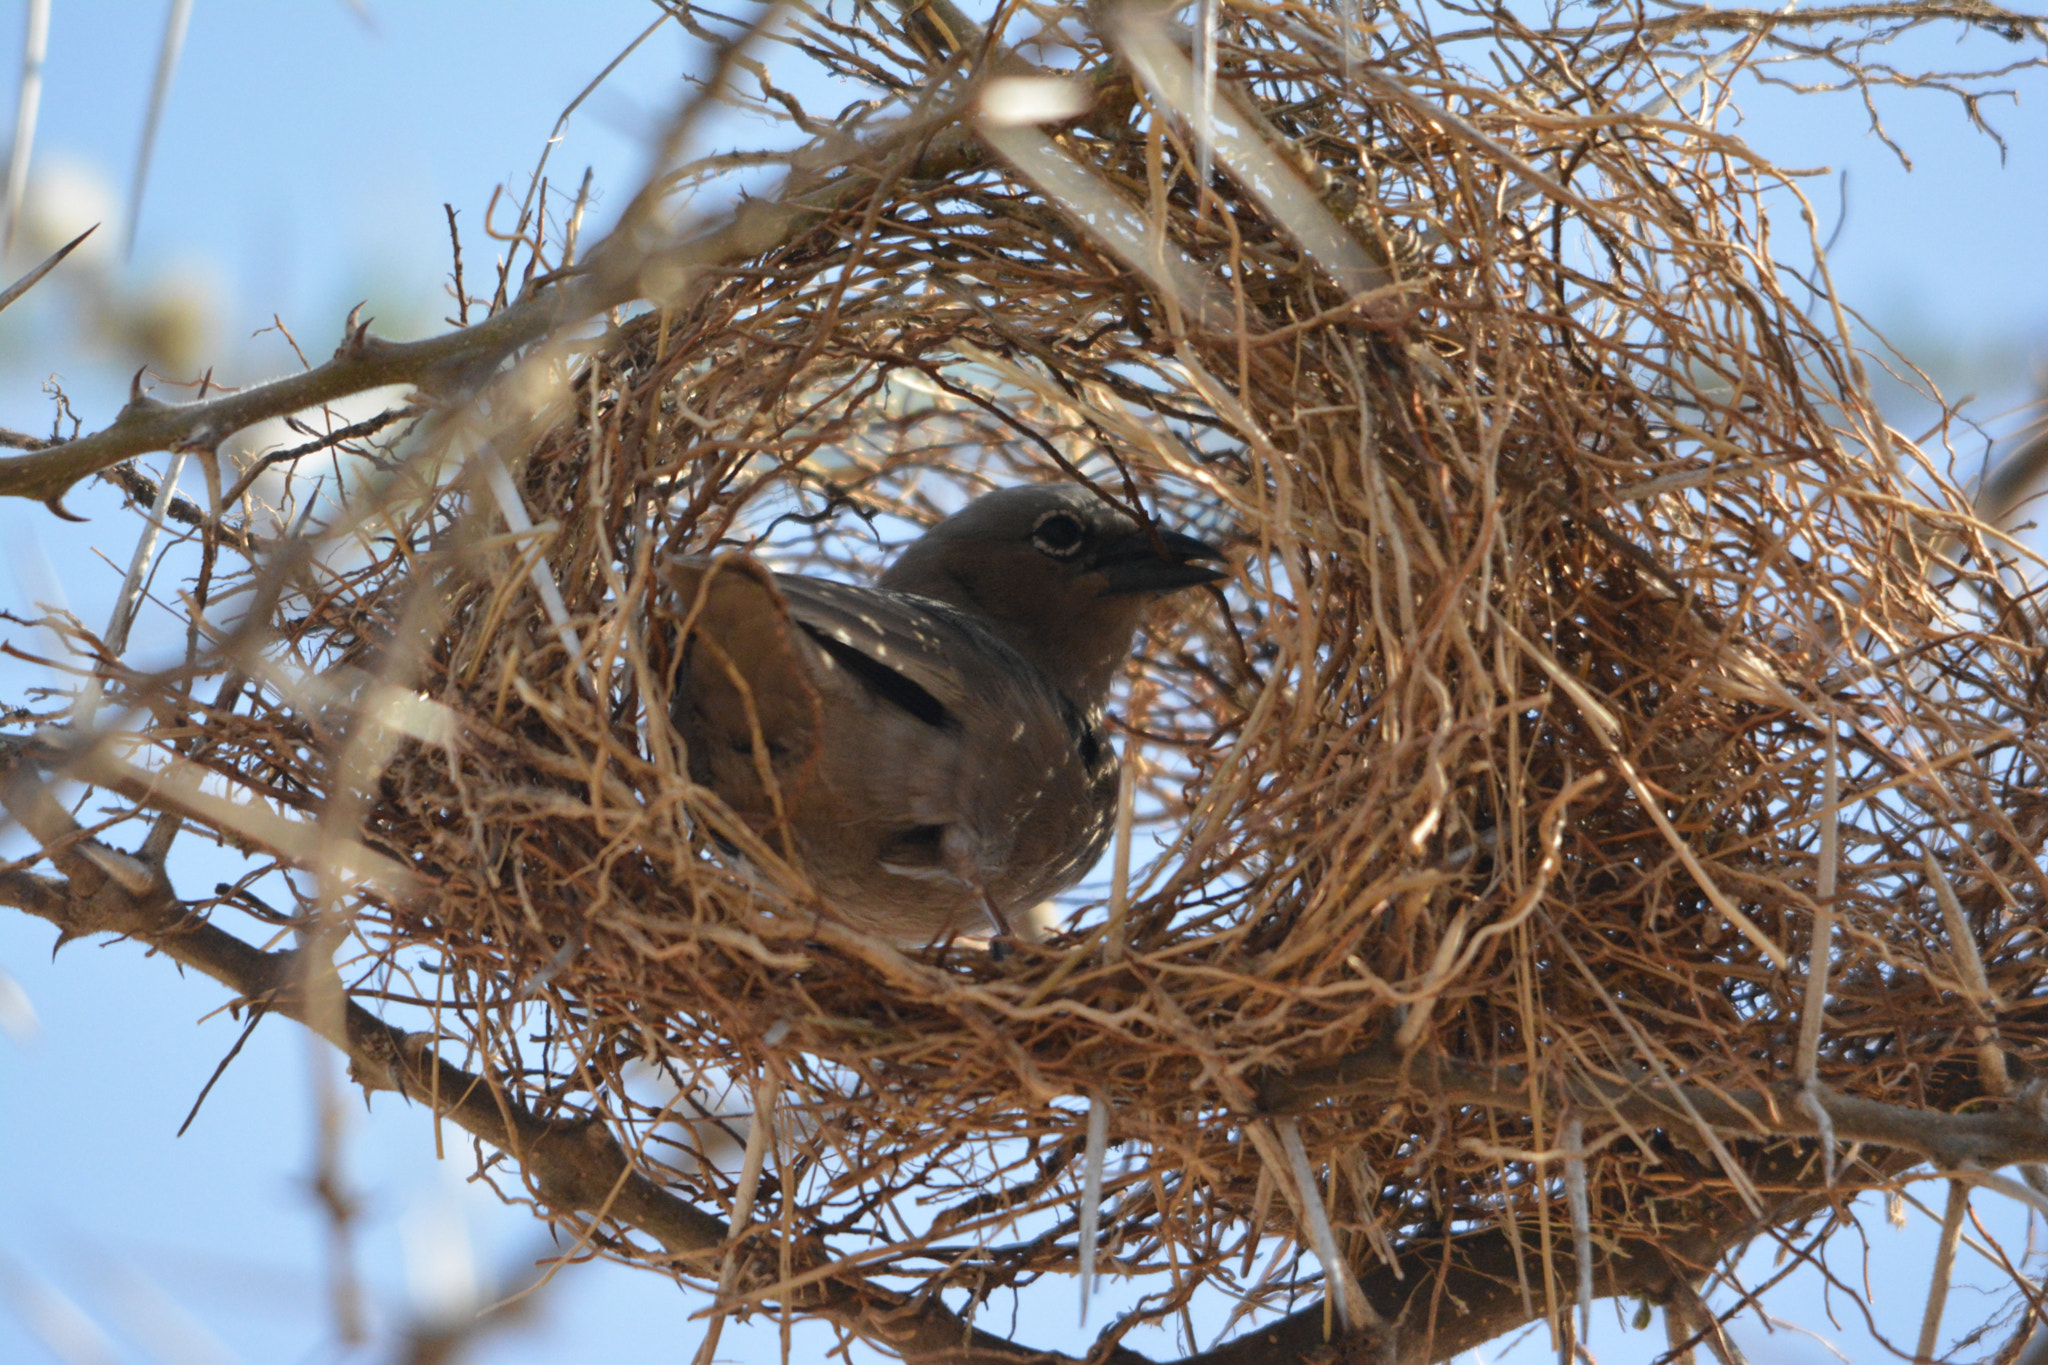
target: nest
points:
(1591, 641)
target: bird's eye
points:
(1059, 534)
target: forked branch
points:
(1446, 1297)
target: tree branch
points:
(574, 1167)
(1451, 1294)
(618, 271)
(2012, 1134)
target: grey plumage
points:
(930, 749)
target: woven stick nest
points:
(1592, 641)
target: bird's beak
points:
(1135, 565)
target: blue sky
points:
(302, 166)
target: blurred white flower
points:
(1019, 101)
(65, 197)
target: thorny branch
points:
(628, 265)
(579, 1172)
(1986, 1139)
(624, 268)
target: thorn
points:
(356, 332)
(56, 508)
(135, 393)
(132, 874)
(28, 281)
(356, 340)
(162, 831)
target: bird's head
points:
(1063, 576)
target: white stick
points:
(1093, 1154)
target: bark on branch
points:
(2013, 1134)
(1450, 1295)
(574, 1169)
(627, 266)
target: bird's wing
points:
(756, 675)
(916, 654)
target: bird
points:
(931, 749)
